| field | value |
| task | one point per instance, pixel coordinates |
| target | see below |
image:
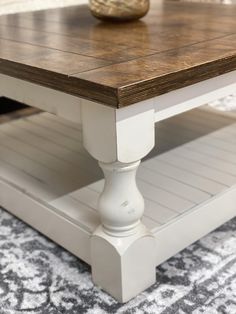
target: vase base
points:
(119, 11)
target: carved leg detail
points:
(123, 250)
(121, 205)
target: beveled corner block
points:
(124, 267)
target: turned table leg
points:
(123, 251)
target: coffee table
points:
(108, 84)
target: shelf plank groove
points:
(43, 160)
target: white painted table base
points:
(122, 250)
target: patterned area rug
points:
(37, 276)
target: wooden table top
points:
(177, 44)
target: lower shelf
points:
(48, 180)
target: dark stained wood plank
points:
(48, 59)
(162, 14)
(154, 75)
(16, 51)
(177, 44)
(82, 46)
(58, 81)
(65, 63)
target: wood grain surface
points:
(177, 44)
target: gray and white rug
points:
(37, 276)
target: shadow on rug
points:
(37, 276)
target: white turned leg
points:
(123, 251)
(121, 205)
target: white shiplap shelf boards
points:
(46, 170)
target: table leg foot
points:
(122, 249)
(123, 267)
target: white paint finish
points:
(122, 249)
(149, 223)
(110, 136)
(28, 144)
(168, 189)
(226, 169)
(212, 151)
(62, 121)
(120, 205)
(26, 183)
(216, 211)
(44, 98)
(79, 211)
(99, 133)
(45, 156)
(49, 135)
(154, 214)
(37, 170)
(135, 136)
(164, 198)
(57, 127)
(218, 143)
(194, 224)
(56, 147)
(184, 176)
(70, 206)
(196, 168)
(86, 196)
(97, 186)
(45, 159)
(123, 267)
(134, 110)
(187, 98)
(225, 136)
(155, 211)
(177, 188)
(158, 212)
(165, 106)
(53, 165)
(47, 219)
(190, 97)
(83, 197)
